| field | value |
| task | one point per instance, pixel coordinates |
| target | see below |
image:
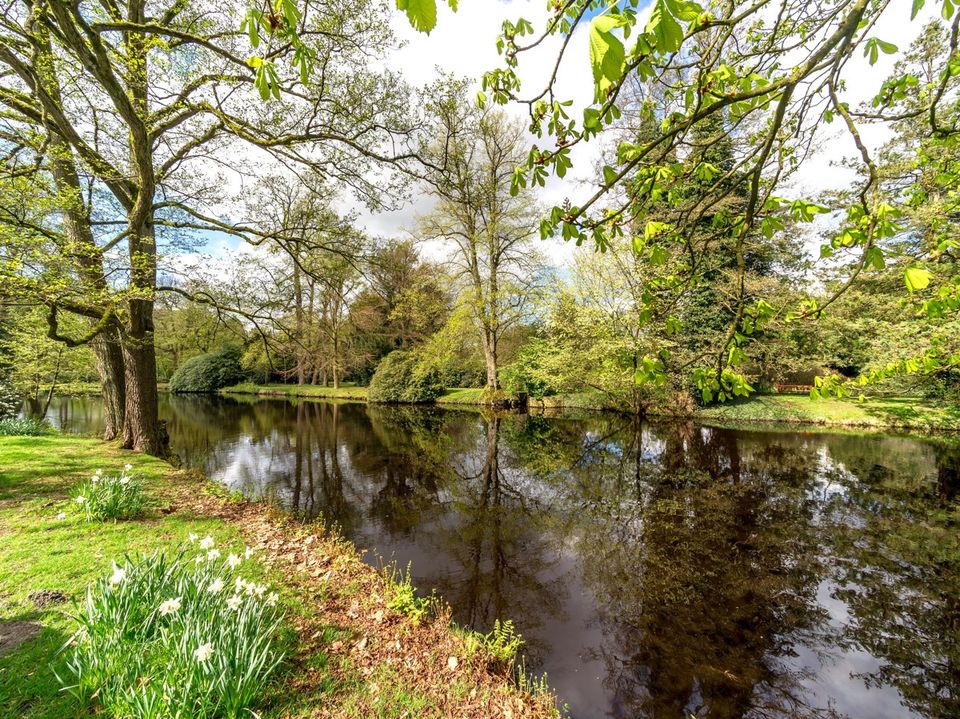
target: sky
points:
(464, 43)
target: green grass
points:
(461, 395)
(42, 552)
(903, 412)
(348, 391)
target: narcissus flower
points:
(233, 560)
(81, 499)
(119, 574)
(234, 602)
(206, 542)
(61, 515)
(127, 467)
(203, 652)
(169, 606)
(213, 554)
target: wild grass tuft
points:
(174, 636)
(107, 496)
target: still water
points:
(654, 570)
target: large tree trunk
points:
(142, 425)
(109, 361)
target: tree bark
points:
(109, 362)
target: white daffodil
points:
(98, 472)
(199, 559)
(216, 587)
(127, 467)
(124, 480)
(206, 542)
(192, 537)
(234, 602)
(170, 606)
(233, 561)
(61, 515)
(248, 552)
(203, 652)
(95, 478)
(272, 599)
(119, 574)
(260, 590)
(81, 499)
(213, 554)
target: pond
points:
(654, 570)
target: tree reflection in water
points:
(655, 570)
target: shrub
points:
(208, 372)
(26, 427)
(404, 376)
(104, 497)
(174, 636)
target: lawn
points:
(351, 653)
(346, 391)
(894, 412)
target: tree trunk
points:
(109, 362)
(142, 426)
(490, 358)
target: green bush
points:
(404, 376)
(105, 497)
(26, 427)
(208, 372)
(174, 636)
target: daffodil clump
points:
(110, 496)
(172, 637)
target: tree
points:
(773, 73)
(405, 301)
(115, 104)
(489, 229)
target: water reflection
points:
(655, 570)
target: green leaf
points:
(916, 278)
(591, 119)
(607, 55)
(917, 7)
(422, 14)
(664, 26)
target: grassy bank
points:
(880, 412)
(349, 392)
(354, 651)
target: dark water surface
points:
(653, 570)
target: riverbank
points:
(875, 412)
(353, 651)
